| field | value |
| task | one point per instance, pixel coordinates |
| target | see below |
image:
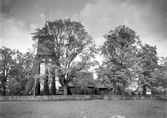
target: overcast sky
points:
(20, 18)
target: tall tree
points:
(148, 63)
(14, 70)
(20, 71)
(73, 48)
(6, 63)
(119, 52)
(160, 74)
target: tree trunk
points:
(34, 70)
(144, 89)
(119, 90)
(4, 89)
(46, 87)
(37, 90)
(114, 87)
(65, 88)
(38, 84)
(53, 88)
(85, 91)
(4, 86)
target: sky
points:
(148, 18)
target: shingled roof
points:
(139, 89)
(45, 45)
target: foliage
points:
(83, 81)
(14, 70)
(119, 53)
(73, 47)
(160, 74)
(125, 58)
(148, 64)
(6, 63)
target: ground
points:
(84, 109)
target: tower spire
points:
(46, 17)
(48, 13)
(47, 20)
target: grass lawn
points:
(84, 109)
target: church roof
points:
(139, 89)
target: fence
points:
(82, 97)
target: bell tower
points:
(45, 54)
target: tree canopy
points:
(73, 46)
(14, 70)
(73, 52)
(127, 59)
(119, 52)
